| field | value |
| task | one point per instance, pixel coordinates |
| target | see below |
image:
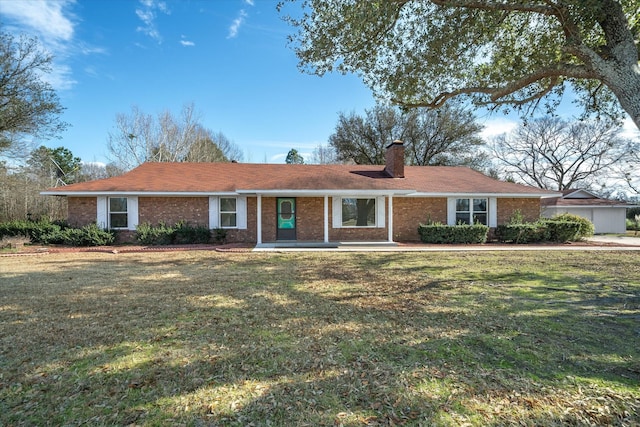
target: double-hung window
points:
(228, 212)
(118, 213)
(471, 211)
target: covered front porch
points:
(315, 219)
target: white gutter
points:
(477, 195)
(589, 206)
(139, 193)
(318, 193)
(289, 192)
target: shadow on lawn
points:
(237, 340)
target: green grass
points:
(202, 338)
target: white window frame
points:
(215, 213)
(234, 212)
(103, 212)
(470, 200)
(336, 204)
(110, 213)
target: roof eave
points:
(483, 194)
(137, 193)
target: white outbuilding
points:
(607, 216)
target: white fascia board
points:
(318, 193)
(593, 206)
(476, 195)
(138, 193)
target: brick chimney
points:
(394, 161)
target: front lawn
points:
(203, 338)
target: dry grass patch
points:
(202, 338)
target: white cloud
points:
(249, 2)
(236, 24)
(496, 127)
(147, 14)
(48, 19)
(53, 23)
(185, 42)
(61, 77)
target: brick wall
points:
(82, 211)
(269, 219)
(530, 209)
(250, 234)
(410, 212)
(310, 218)
(170, 210)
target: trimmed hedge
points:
(456, 234)
(48, 233)
(160, 234)
(180, 233)
(34, 230)
(586, 227)
(546, 230)
(521, 233)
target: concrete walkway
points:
(599, 243)
(616, 239)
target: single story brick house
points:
(268, 203)
(607, 216)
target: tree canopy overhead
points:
(29, 105)
(498, 53)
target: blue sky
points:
(228, 57)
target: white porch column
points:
(390, 219)
(326, 219)
(259, 220)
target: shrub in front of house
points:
(159, 234)
(453, 234)
(586, 228)
(545, 230)
(521, 233)
(50, 233)
(35, 230)
(186, 233)
(180, 233)
(561, 231)
(89, 235)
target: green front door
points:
(286, 208)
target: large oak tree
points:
(448, 136)
(512, 53)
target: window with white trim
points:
(357, 212)
(471, 211)
(228, 212)
(118, 212)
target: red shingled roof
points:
(250, 177)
